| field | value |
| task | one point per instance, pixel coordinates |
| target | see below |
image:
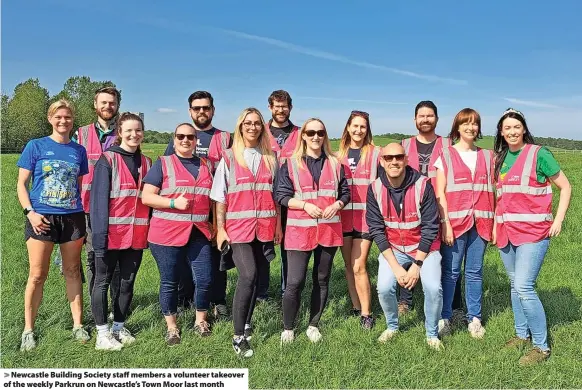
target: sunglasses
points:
(311, 133)
(181, 137)
(198, 108)
(362, 113)
(391, 157)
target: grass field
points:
(348, 357)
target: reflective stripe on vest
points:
(524, 209)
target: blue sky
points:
(378, 56)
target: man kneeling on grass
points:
(402, 215)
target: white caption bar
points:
(125, 378)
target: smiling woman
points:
(54, 214)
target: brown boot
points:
(534, 356)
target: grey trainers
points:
(80, 334)
(124, 336)
(28, 343)
(107, 343)
(444, 328)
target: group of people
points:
(214, 202)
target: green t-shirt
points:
(546, 164)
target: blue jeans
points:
(430, 277)
(523, 264)
(472, 247)
(172, 260)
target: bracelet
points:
(443, 220)
(172, 203)
(303, 208)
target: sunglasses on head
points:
(190, 137)
(311, 133)
(362, 113)
(391, 157)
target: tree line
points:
(24, 114)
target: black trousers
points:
(297, 272)
(251, 264)
(128, 261)
(115, 280)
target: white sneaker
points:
(287, 336)
(476, 330)
(387, 335)
(107, 343)
(444, 328)
(313, 334)
(124, 336)
(435, 343)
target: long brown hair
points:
(347, 139)
(126, 116)
(500, 146)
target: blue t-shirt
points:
(155, 175)
(55, 169)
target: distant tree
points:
(25, 115)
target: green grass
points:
(347, 357)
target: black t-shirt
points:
(353, 158)
(424, 153)
(281, 133)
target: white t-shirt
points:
(469, 158)
(252, 158)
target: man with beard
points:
(97, 137)
(211, 143)
(422, 151)
(283, 140)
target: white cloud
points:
(349, 100)
(164, 110)
(530, 103)
(338, 58)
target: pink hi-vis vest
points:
(354, 213)
(524, 206)
(251, 211)
(128, 216)
(288, 147)
(172, 227)
(218, 144)
(87, 136)
(304, 233)
(403, 232)
(469, 200)
(409, 145)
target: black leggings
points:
(297, 262)
(251, 263)
(129, 261)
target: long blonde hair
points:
(301, 147)
(264, 146)
(346, 139)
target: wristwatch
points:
(27, 210)
(418, 262)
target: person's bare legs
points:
(71, 252)
(360, 250)
(39, 253)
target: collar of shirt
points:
(103, 133)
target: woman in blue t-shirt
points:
(54, 215)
